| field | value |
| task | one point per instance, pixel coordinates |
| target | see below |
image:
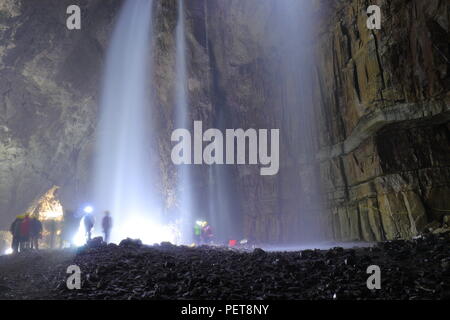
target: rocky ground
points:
(416, 269)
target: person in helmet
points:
(198, 232)
(207, 234)
(15, 232)
(89, 225)
(107, 225)
(25, 228)
(35, 232)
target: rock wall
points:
(366, 112)
(260, 69)
(49, 80)
(384, 113)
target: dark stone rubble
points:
(416, 269)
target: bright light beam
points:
(80, 237)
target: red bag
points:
(232, 243)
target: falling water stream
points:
(293, 71)
(126, 168)
(289, 66)
(182, 120)
(127, 165)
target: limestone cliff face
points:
(50, 83)
(198, 84)
(260, 70)
(384, 104)
(49, 80)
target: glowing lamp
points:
(88, 209)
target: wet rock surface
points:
(381, 101)
(416, 269)
(384, 120)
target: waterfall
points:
(126, 177)
(293, 69)
(182, 120)
(224, 207)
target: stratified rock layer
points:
(385, 110)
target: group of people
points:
(26, 231)
(203, 232)
(89, 222)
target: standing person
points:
(197, 232)
(52, 230)
(70, 227)
(107, 225)
(15, 231)
(207, 234)
(89, 224)
(35, 232)
(25, 232)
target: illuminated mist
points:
(126, 176)
(293, 71)
(182, 120)
(127, 166)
